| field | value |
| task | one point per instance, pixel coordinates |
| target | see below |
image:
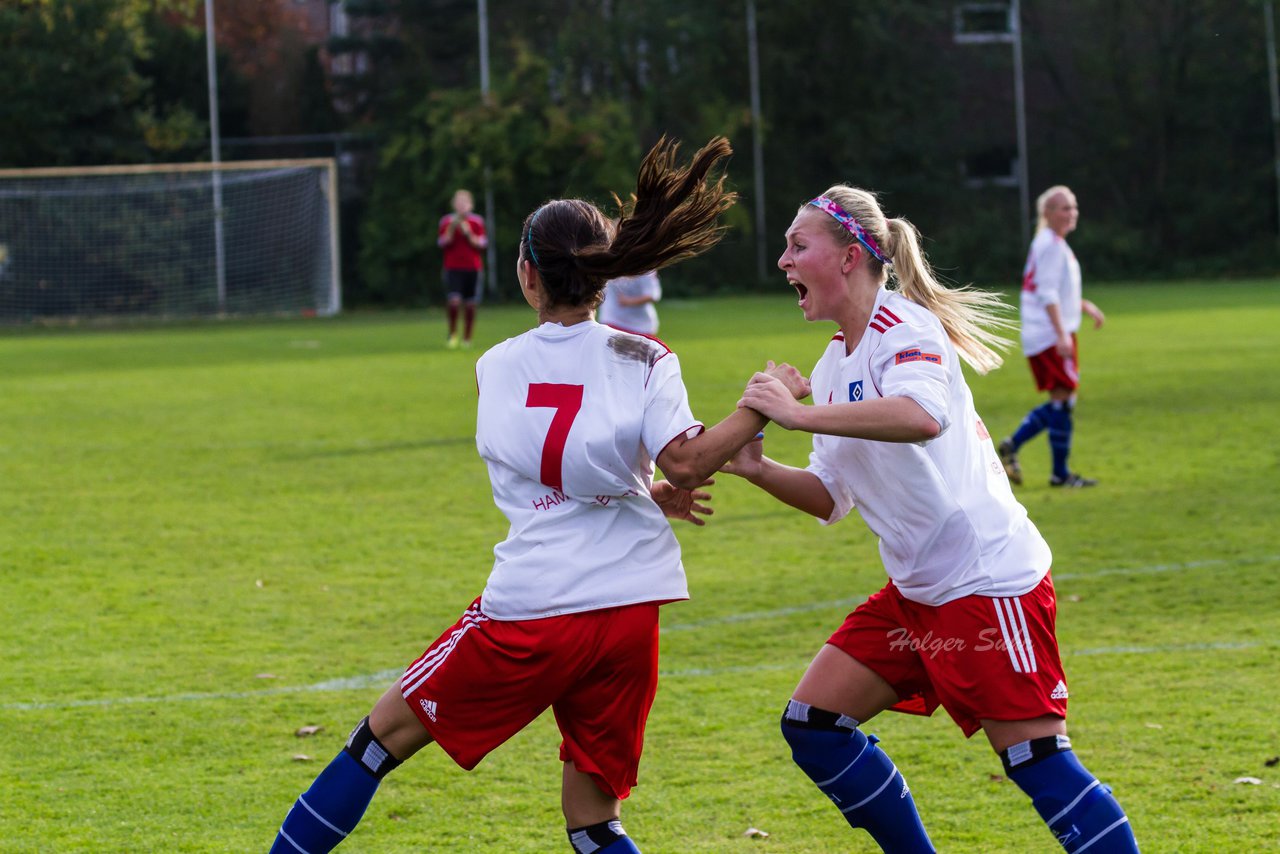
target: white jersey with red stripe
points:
(1051, 277)
(569, 423)
(948, 523)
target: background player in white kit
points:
(629, 303)
(571, 417)
(967, 618)
(1051, 308)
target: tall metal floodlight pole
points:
(757, 132)
(491, 252)
(985, 32)
(215, 145)
(1020, 110)
(1275, 98)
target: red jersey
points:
(459, 254)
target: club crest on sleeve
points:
(855, 391)
(916, 356)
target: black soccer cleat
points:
(1073, 481)
(1009, 459)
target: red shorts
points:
(1052, 371)
(977, 656)
(484, 680)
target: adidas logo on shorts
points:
(429, 706)
(1059, 692)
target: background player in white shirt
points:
(967, 618)
(629, 303)
(1051, 306)
(571, 418)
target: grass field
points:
(211, 536)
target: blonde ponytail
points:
(972, 318)
(969, 316)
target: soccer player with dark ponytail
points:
(572, 416)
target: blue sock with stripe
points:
(1080, 811)
(607, 837)
(1035, 421)
(856, 775)
(326, 813)
(1059, 423)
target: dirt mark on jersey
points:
(634, 348)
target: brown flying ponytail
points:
(673, 214)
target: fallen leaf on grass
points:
(996, 778)
(395, 816)
(1252, 781)
(1154, 726)
(1074, 597)
(756, 833)
(304, 731)
(302, 757)
(266, 676)
(259, 583)
(1272, 762)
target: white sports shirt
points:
(1051, 277)
(633, 318)
(569, 422)
(948, 523)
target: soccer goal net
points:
(175, 240)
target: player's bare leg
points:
(592, 816)
(396, 726)
(840, 683)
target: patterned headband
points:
(852, 226)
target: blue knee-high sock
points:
(1060, 436)
(1036, 420)
(326, 813)
(856, 775)
(1080, 811)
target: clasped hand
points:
(775, 393)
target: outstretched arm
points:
(800, 488)
(688, 462)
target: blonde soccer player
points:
(1051, 308)
(966, 620)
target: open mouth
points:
(801, 290)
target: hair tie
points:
(529, 237)
(850, 225)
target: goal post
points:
(125, 242)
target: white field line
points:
(386, 677)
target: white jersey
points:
(948, 523)
(569, 422)
(1051, 277)
(633, 318)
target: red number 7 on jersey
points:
(566, 400)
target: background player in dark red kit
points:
(463, 239)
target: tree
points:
(68, 88)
